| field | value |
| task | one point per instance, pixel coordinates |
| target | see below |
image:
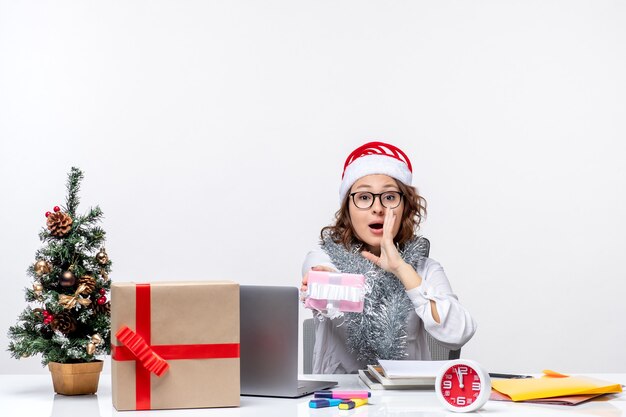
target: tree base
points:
(75, 378)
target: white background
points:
(213, 135)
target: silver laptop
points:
(269, 343)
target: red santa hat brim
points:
(375, 158)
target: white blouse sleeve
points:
(457, 325)
(316, 257)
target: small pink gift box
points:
(334, 291)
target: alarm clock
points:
(462, 385)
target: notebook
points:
(269, 343)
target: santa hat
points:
(375, 158)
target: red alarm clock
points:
(462, 385)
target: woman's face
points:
(368, 223)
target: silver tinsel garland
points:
(380, 331)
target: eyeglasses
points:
(365, 199)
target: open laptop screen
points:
(269, 342)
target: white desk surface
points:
(32, 395)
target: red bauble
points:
(46, 313)
(57, 208)
(102, 300)
(102, 291)
(48, 213)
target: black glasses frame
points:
(380, 198)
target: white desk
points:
(32, 395)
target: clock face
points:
(462, 385)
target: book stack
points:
(401, 374)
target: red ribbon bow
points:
(142, 351)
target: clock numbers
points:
(455, 390)
(463, 386)
(461, 401)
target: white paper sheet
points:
(411, 369)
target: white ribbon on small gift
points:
(334, 292)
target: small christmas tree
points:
(71, 321)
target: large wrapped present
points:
(175, 345)
(334, 293)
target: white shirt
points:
(330, 353)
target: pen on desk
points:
(353, 403)
(344, 395)
(509, 376)
(324, 402)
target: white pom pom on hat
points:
(375, 158)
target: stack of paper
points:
(411, 369)
(553, 388)
(401, 374)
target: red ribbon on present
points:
(148, 358)
(139, 348)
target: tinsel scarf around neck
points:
(380, 332)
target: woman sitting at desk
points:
(374, 235)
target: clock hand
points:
(459, 375)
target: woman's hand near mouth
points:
(389, 259)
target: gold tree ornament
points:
(59, 224)
(70, 301)
(96, 339)
(37, 287)
(102, 257)
(42, 267)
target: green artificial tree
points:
(68, 317)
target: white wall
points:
(213, 134)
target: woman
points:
(374, 235)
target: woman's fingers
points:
(305, 278)
(387, 242)
(390, 220)
(388, 225)
(322, 268)
(371, 257)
